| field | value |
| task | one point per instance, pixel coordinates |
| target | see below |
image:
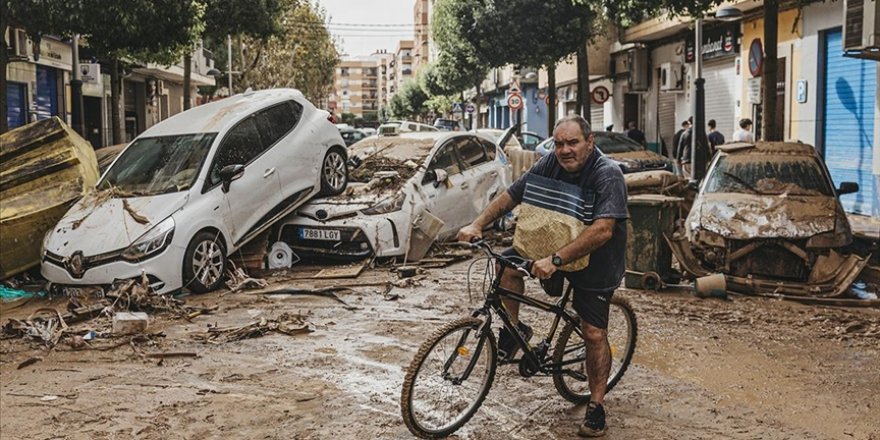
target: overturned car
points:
(404, 192)
(768, 217)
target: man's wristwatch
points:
(556, 260)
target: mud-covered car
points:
(399, 180)
(768, 217)
(629, 155)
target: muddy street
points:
(744, 368)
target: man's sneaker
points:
(594, 422)
(507, 345)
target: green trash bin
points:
(650, 216)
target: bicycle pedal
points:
(577, 375)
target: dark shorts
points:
(592, 306)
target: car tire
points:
(334, 172)
(204, 263)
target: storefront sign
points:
(55, 54)
(717, 43)
(801, 91)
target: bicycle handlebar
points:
(520, 264)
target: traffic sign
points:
(514, 88)
(456, 107)
(600, 94)
(515, 101)
(470, 108)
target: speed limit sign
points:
(515, 101)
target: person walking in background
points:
(676, 139)
(684, 151)
(715, 137)
(635, 134)
(744, 133)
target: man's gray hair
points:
(577, 119)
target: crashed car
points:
(193, 189)
(768, 217)
(402, 182)
(629, 155)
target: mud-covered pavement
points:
(746, 368)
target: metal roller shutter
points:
(720, 99)
(666, 116)
(850, 85)
(597, 116)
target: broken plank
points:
(342, 272)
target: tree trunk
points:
(770, 132)
(116, 116)
(551, 98)
(187, 79)
(4, 61)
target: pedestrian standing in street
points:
(744, 134)
(574, 175)
(635, 134)
(715, 137)
(676, 139)
(684, 149)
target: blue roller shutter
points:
(850, 85)
(47, 93)
(16, 105)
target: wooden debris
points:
(134, 214)
(287, 324)
(29, 361)
(171, 354)
(352, 271)
(237, 279)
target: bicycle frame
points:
(493, 303)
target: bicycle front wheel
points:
(571, 349)
(448, 379)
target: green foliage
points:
(457, 67)
(347, 118)
(302, 55)
(147, 30)
(440, 105)
(255, 18)
(409, 102)
(520, 32)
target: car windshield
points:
(350, 135)
(768, 175)
(615, 143)
(158, 165)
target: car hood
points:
(639, 160)
(117, 222)
(747, 216)
(357, 197)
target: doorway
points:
(631, 110)
(92, 119)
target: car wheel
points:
(334, 172)
(204, 263)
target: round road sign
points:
(600, 94)
(756, 58)
(515, 102)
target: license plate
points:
(319, 234)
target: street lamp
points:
(699, 142)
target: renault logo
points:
(75, 264)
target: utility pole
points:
(76, 106)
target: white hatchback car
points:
(452, 175)
(196, 187)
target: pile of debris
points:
(286, 323)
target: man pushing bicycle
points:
(573, 220)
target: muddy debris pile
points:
(286, 323)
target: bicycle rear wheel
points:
(622, 333)
(437, 397)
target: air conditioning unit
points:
(671, 77)
(160, 87)
(861, 25)
(19, 43)
(638, 69)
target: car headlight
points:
(839, 237)
(389, 204)
(153, 241)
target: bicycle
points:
(465, 356)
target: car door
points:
(257, 192)
(481, 175)
(292, 148)
(448, 200)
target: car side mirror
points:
(230, 173)
(847, 188)
(440, 176)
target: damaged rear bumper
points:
(831, 276)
